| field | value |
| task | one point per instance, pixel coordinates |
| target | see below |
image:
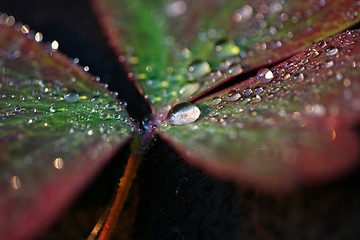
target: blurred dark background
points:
(169, 199)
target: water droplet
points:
(15, 182)
(198, 69)
(25, 29)
(59, 163)
(322, 44)
(38, 37)
(258, 90)
(298, 78)
(176, 9)
(52, 109)
(216, 100)
(265, 75)
(247, 92)
(189, 89)
(213, 76)
(331, 51)
(233, 96)
(235, 69)
(328, 64)
(95, 100)
(243, 14)
(256, 99)
(226, 48)
(104, 116)
(71, 97)
(183, 113)
(55, 45)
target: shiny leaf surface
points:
(178, 49)
(57, 128)
(289, 125)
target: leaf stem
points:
(107, 221)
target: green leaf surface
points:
(57, 128)
(296, 126)
(177, 50)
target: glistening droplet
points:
(183, 113)
(265, 75)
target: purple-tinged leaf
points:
(58, 127)
(287, 126)
(180, 49)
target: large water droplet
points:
(198, 69)
(226, 48)
(71, 97)
(265, 75)
(183, 113)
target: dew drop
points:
(183, 113)
(58, 163)
(256, 99)
(328, 64)
(189, 89)
(71, 97)
(247, 92)
(226, 48)
(331, 51)
(15, 182)
(198, 69)
(235, 69)
(265, 75)
(25, 29)
(176, 8)
(243, 14)
(233, 96)
(55, 45)
(213, 76)
(104, 116)
(95, 100)
(258, 90)
(298, 78)
(38, 37)
(52, 109)
(216, 100)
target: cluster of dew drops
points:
(106, 108)
(280, 80)
(231, 54)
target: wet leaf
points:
(294, 126)
(57, 128)
(177, 49)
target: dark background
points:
(169, 199)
